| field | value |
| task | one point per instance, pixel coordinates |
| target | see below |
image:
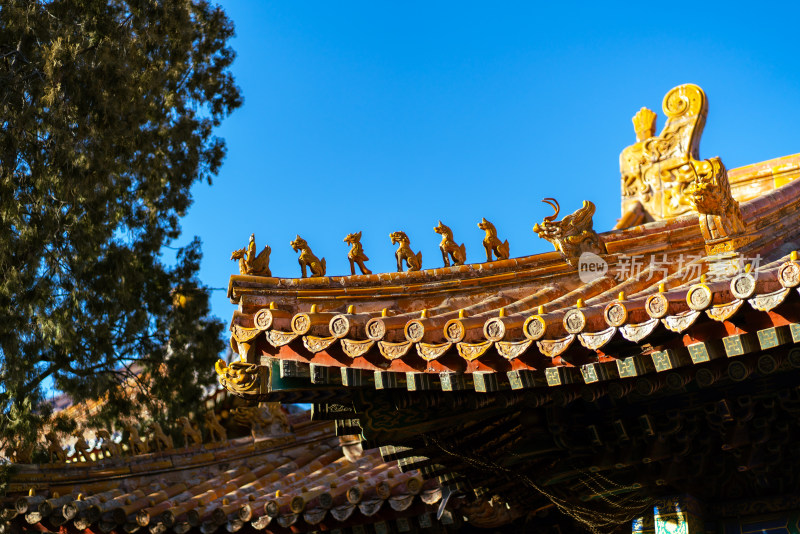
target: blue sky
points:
(384, 116)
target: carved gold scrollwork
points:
(597, 340)
(318, 344)
(276, 338)
(430, 351)
(392, 351)
(472, 351)
(680, 322)
(769, 301)
(723, 312)
(639, 331)
(512, 349)
(555, 347)
(354, 349)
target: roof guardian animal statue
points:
(491, 242)
(449, 247)
(573, 235)
(251, 264)
(356, 254)
(307, 258)
(404, 252)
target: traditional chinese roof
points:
(658, 356)
(300, 481)
(527, 315)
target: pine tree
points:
(108, 111)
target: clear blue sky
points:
(383, 116)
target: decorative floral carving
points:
(392, 351)
(428, 351)
(276, 338)
(723, 312)
(597, 340)
(512, 349)
(354, 349)
(472, 351)
(638, 331)
(680, 322)
(242, 334)
(769, 301)
(553, 348)
(318, 344)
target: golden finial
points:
(79, 497)
(702, 279)
(351, 309)
(313, 308)
(540, 310)
(579, 303)
(644, 123)
(793, 255)
(278, 493)
(462, 314)
(502, 312)
(621, 296)
(31, 492)
(748, 267)
(662, 287)
(272, 306)
(423, 314)
(385, 312)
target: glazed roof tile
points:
(301, 480)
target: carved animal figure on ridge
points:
(307, 258)
(251, 264)
(191, 436)
(108, 447)
(710, 195)
(491, 242)
(573, 235)
(404, 252)
(81, 448)
(160, 439)
(215, 429)
(136, 444)
(449, 247)
(54, 448)
(356, 254)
